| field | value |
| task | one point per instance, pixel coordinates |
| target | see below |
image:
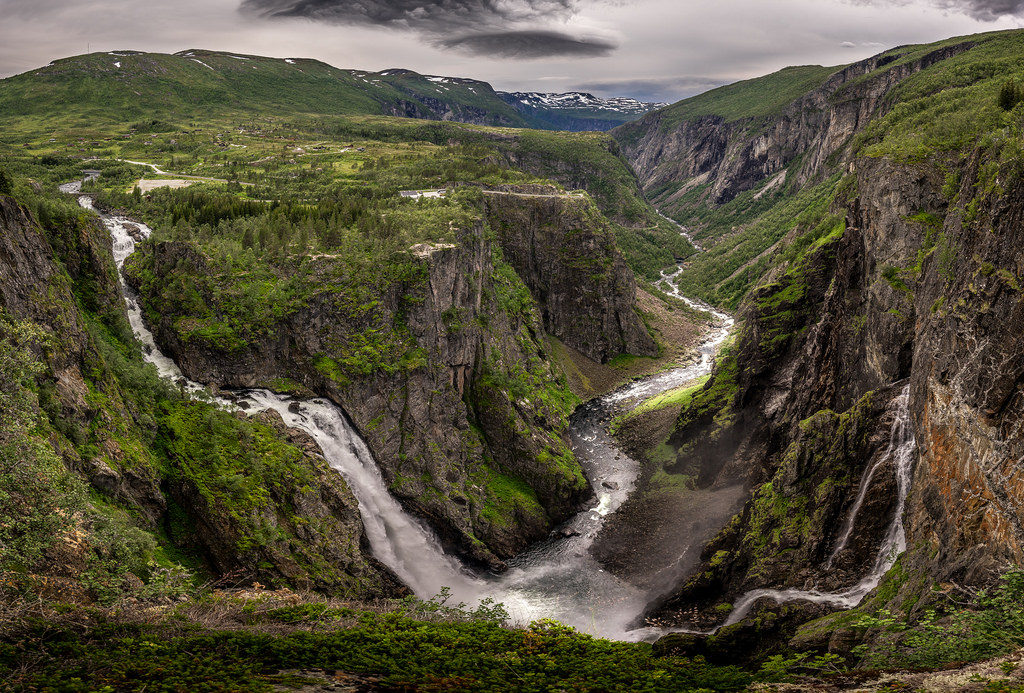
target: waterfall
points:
(397, 540)
(557, 578)
(901, 453)
(895, 441)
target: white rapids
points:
(558, 578)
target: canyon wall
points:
(104, 415)
(468, 419)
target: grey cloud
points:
(982, 10)
(528, 44)
(654, 89)
(985, 10)
(502, 28)
(435, 16)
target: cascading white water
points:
(901, 453)
(397, 540)
(558, 578)
(683, 231)
(902, 403)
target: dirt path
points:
(176, 176)
(563, 196)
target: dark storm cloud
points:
(434, 16)
(982, 10)
(501, 28)
(985, 10)
(528, 44)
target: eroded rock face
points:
(968, 381)
(472, 436)
(823, 352)
(44, 277)
(35, 287)
(736, 156)
(915, 290)
(565, 252)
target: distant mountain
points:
(576, 110)
(129, 85)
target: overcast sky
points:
(651, 49)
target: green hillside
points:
(932, 117)
(750, 98)
(123, 85)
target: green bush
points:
(406, 654)
(1010, 95)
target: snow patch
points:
(197, 60)
(289, 61)
(578, 100)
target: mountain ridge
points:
(195, 82)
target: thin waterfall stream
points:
(900, 453)
(557, 578)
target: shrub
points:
(1010, 95)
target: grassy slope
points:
(93, 88)
(751, 98)
(931, 116)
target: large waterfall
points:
(558, 578)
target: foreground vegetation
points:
(259, 641)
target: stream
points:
(557, 578)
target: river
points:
(557, 578)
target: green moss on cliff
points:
(747, 234)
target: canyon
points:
(740, 381)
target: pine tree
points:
(1010, 95)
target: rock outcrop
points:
(564, 250)
(729, 157)
(469, 423)
(922, 286)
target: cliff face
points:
(565, 253)
(469, 425)
(115, 430)
(968, 379)
(922, 287)
(730, 157)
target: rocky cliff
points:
(725, 156)
(150, 458)
(919, 285)
(917, 288)
(465, 415)
(564, 250)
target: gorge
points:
(729, 395)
